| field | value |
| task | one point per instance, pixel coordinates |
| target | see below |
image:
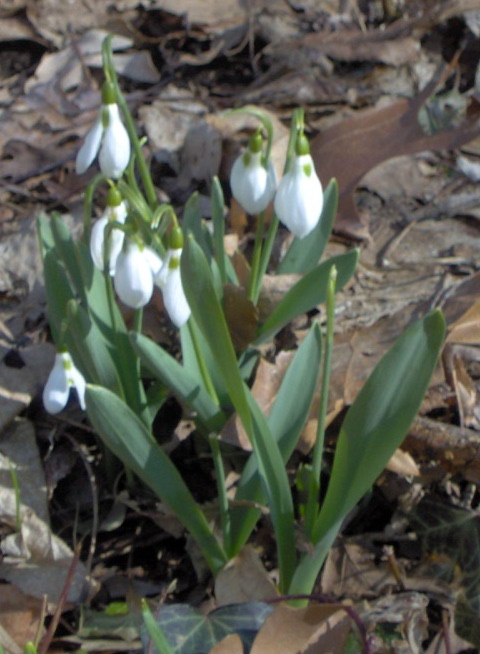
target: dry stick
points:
(63, 598)
(93, 486)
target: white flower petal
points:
(133, 279)
(252, 185)
(56, 390)
(174, 298)
(77, 380)
(154, 261)
(90, 147)
(97, 241)
(115, 148)
(299, 199)
(97, 237)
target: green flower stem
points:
(111, 75)
(88, 205)
(265, 258)
(207, 380)
(256, 259)
(223, 505)
(314, 479)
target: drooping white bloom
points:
(108, 138)
(299, 199)
(253, 185)
(169, 279)
(134, 272)
(63, 376)
(112, 213)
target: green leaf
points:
(373, 429)
(286, 421)
(183, 383)
(304, 254)
(218, 220)
(189, 631)
(308, 292)
(207, 311)
(155, 631)
(193, 223)
(65, 249)
(127, 437)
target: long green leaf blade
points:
(308, 292)
(208, 313)
(373, 429)
(184, 384)
(285, 421)
(129, 439)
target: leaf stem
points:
(223, 504)
(314, 479)
(111, 75)
(255, 278)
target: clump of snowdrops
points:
(122, 377)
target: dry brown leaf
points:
(214, 13)
(231, 644)
(467, 328)
(34, 560)
(403, 464)
(241, 316)
(317, 628)
(351, 570)
(267, 382)
(19, 385)
(244, 579)
(19, 618)
(349, 149)
(466, 392)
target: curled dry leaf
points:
(244, 579)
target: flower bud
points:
(101, 251)
(253, 185)
(169, 279)
(63, 376)
(108, 137)
(133, 279)
(299, 199)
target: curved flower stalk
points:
(108, 139)
(63, 376)
(299, 199)
(253, 181)
(169, 279)
(134, 272)
(103, 251)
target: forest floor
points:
(391, 93)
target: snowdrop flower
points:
(134, 273)
(299, 199)
(63, 376)
(108, 138)
(253, 185)
(116, 211)
(169, 279)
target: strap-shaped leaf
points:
(304, 254)
(308, 292)
(207, 311)
(129, 439)
(373, 429)
(182, 382)
(286, 420)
